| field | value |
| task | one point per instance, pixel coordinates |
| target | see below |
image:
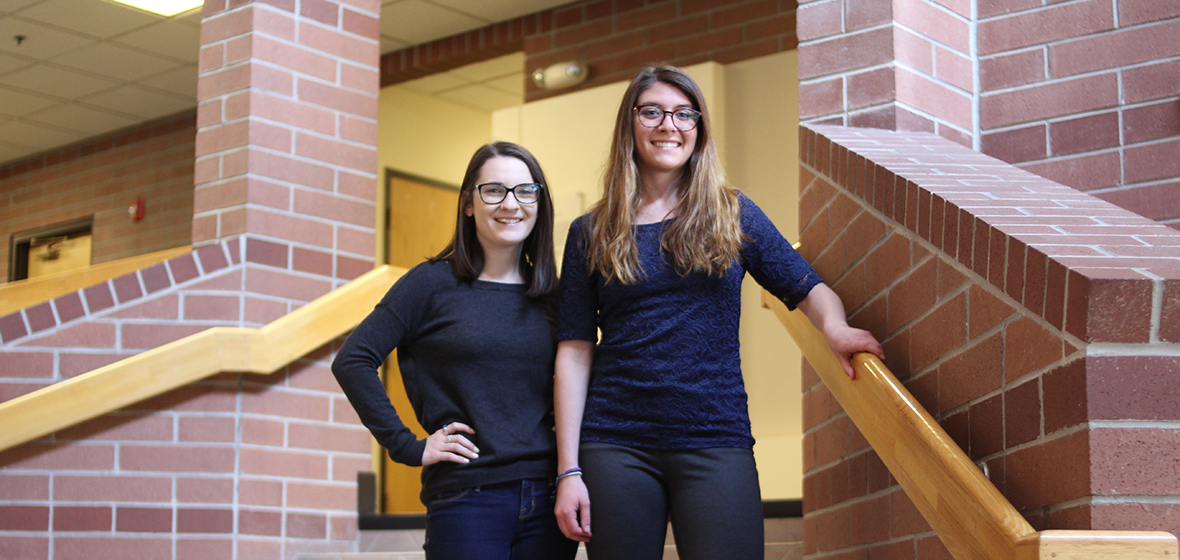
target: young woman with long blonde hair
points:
(652, 421)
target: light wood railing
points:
(209, 352)
(967, 512)
(20, 294)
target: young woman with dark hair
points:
(652, 421)
(473, 327)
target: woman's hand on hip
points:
(573, 508)
(447, 444)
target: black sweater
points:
(475, 352)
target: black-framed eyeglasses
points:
(684, 119)
(495, 193)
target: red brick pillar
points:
(285, 176)
(903, 65)
(287, 140)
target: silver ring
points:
(448, 439)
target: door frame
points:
(21, 242)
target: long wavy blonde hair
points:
(705, 237)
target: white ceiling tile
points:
(169, 38)
(513, 84)
(94, 18)
(37, 136)
(117, 62)
(55, 81)
(182, 81)
(16, 103)
(500, 10)
(482, 97)
(8, 63)
(139, 102)
(435, 83)
(494, 68)
(40, 42)
(81, 119)
(418, 22)
(147, 50)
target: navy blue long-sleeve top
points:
(667, 372)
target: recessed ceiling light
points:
(163, 7)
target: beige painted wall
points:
(754, 108)
(762, 160)
(427, 137)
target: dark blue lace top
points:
(667, 372)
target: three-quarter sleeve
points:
(577, 304)
(770, 259)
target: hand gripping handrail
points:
(970, 516)
(195, 357)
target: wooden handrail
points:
(970, 516)
(20, 294)
(209, 352)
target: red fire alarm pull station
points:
(136, 209)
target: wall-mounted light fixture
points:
(561, 75)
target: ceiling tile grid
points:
(74, 69)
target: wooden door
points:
(421, 223)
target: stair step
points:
(784, 542)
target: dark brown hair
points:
(537, 265)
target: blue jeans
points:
(504, 521)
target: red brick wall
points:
(902, 65)
(615, 38)
(1087, 94)
(264, 465)
(101, 177)
(1084, 93)
(1030, 319)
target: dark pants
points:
(506, 521)
(711, 496)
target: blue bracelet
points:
(576, 471)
